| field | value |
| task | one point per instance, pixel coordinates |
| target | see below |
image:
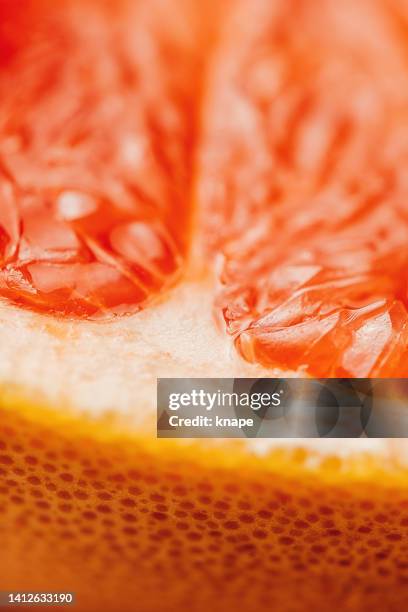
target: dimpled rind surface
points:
(303, 167)
(96, 134)
(132, 526)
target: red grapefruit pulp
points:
(300, 169)
(303, 166)
(96, 135)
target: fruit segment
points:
(300, 168)
(96, 131)
(303, 166)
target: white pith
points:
(99, 368)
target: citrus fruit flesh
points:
(302, 168)
(113, 125)
(97, 135)
(300, 190)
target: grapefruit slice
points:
(89, 500)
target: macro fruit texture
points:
(302, 168)
(97, 139)
(132, 525)
(161, 162)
